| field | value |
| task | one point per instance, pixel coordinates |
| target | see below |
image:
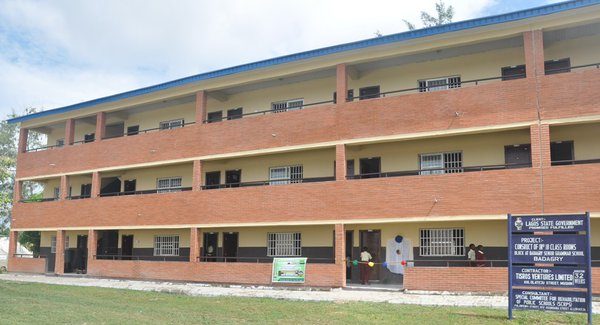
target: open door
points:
(372, 240)
(81, 253)
(230, 246)
(210, 244)
(349, 255)
(127, 246)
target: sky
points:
(57, 53)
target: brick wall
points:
(317, 275)
(27, 265)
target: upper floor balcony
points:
(468, 86)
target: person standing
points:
(471, 255)
(480, 256)
(365, 269)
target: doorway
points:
(349, 256)
(230, 246)
(372, 240)
(129, 186)
(110, 185)
(561, 153)
(370, 167)
(209, 246)
(81, 254)
(233, 177)
(114, 130)
(108, 244)
(127, 247)
(518, 156)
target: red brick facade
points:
(27, 265)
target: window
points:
(349, 95)
(166, 245)
(285, 175)
(287, 105)
(213, 117)
(90, 137)
(114, 130)
(86, 190)
(561, 153)
(235, 113)
(212, 179)
(284, 244)
(557, 66)
(60, 142)
(513, 72)
(370, 167)
(439, 84)
(441, 163)
(442, 242)
(368, 92)
(56, 193)
(53, 244)
(133, 130)
(66, 242)
(172, 124)
(168, 184)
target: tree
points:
(444, 15)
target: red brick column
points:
(13, 239)
(197, 176)
(540, 145)
(533, 43)
(17, 191)
(95, 184)
(194, 245)
(23, 134)
(341, 86)
(69, 132)
(340, 258)
(59, 264)
(201, 106)
(340, 162)
(100, 126)
(92, 247)
(64, 187)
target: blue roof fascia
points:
(388, 39)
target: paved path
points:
(196, 289)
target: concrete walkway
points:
(337, 295)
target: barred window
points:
(66, 242)
(287, 105)
(439, 84)
(441, 163)
(166, 245)
(286, 174)
(172, 124)
(284, 244)
(53, 244)
(168, 184)
(442, 242)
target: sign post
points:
(549, 263)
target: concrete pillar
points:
(533, 44)
(100, 126)
(17, 191)
(92, 245)
(340, 255)
(96, 182)
(64, 187)
(194, 245)
(69, 132)
(540, 145)
(23, 134)
(201, 108)
(59, 261)
(340, 162)
(341, 87)
(197, 176)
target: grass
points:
(25, 303)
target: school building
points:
(434, 135)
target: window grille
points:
(286, 175)
(168, 184)
(439, 84)
(53, 244)
(441, 163)
(56, 193)
(172, 124)
(287, 105)
(284, 244)
(166, 245)
(67, 242)
(442, 242)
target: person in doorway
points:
(365, 269)
(471, 255)
(480, 256)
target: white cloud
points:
(62, 52)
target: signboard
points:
(289, 270)
(549, 263)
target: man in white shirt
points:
(471, 255)
(365, 269)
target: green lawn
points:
(24, 303)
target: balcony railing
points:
(154, 191)
(29, 256)
(269, 182)
(129, 134)
(568, 69)
(38, 200)
(575, 162)
(439, 171)
(268, 111)
(78, 197)
(456, 263)
(142, 258)
(258, 259)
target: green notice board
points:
(289, 270)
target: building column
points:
(13, 240)
(194, 245)
(340, 256)
(23, 134)
(100, 126)
(340, 162)
(201, 107)
(64, 187)
(533, 44)
(540, 145)
(17, 191)
(95, 184)
(92, 245)
(197, 176)
(341, 87)
(69, 132)
(59, 261)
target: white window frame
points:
(286, 174)
(53, 244)
(171, 124)
(450, 162)
(442, 242)
(166, 245)
(283, 244)
(169, 184)
(443, 82)
(287, 105)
